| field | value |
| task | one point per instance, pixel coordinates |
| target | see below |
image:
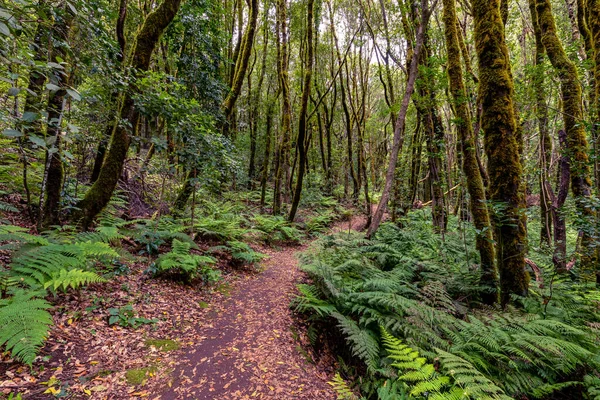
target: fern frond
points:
(24, 325)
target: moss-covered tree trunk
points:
(102, 146)
(52, 182)
(594, 24)
(101, 191)
(35, 86)
(302, 128)
(241, 65)
(576, 137)
(478, 204)
(499, 124)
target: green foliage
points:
(72, 278)
(425, 292)
(24, 324)
(320, 222)
(61, 259)
(125, 317)
(240, 252)
(179, 262)
(341, 388)
(275, 229)
(151, 234)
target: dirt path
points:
(249, 350)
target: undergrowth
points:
(412, 293)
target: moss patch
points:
(138, 376)
(203, 304)
(163, 344)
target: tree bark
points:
(303, 110)
(241, 66)
(499, 124)
(545, 139)
(576, 136)
(283, 152)
(400, 121)
(478, 201)
(120, 32)
(52, 182)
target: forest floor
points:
(254, 347)
(236, 340)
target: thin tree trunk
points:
(52, 182)
(560, 229)
(282, 164)
(545, 140)
(303, 110)
(241, 66)
(399, 127)
(576, 136)
(265, 171)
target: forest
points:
(300, 199)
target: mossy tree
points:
(52, 182)
(145, 41)
(572, 112)
(496, 93)
(470, 166)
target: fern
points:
(73, 278)
(363, 342)
(189, 266)
(24, 325)
(425, 291)
(341, 388)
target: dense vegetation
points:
(178, 136)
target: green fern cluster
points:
(59, 260)
(241, 253)
(180, 262)
(426, 298)
(275, 229)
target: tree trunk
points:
(303, 110)
(560, 229)
(120, 32)
(499, 124)
(594, 24)
(35, 86)
(241, 66)
(399, 127)
(545, 140)
(52, 182)
(478, 204)
(576, 136)
(265, 170)
(282, 165)
(101, 191)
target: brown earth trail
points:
(250, 349)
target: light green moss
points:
(139, 376)
(163, 344)
(496, 93)
(475, 186)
